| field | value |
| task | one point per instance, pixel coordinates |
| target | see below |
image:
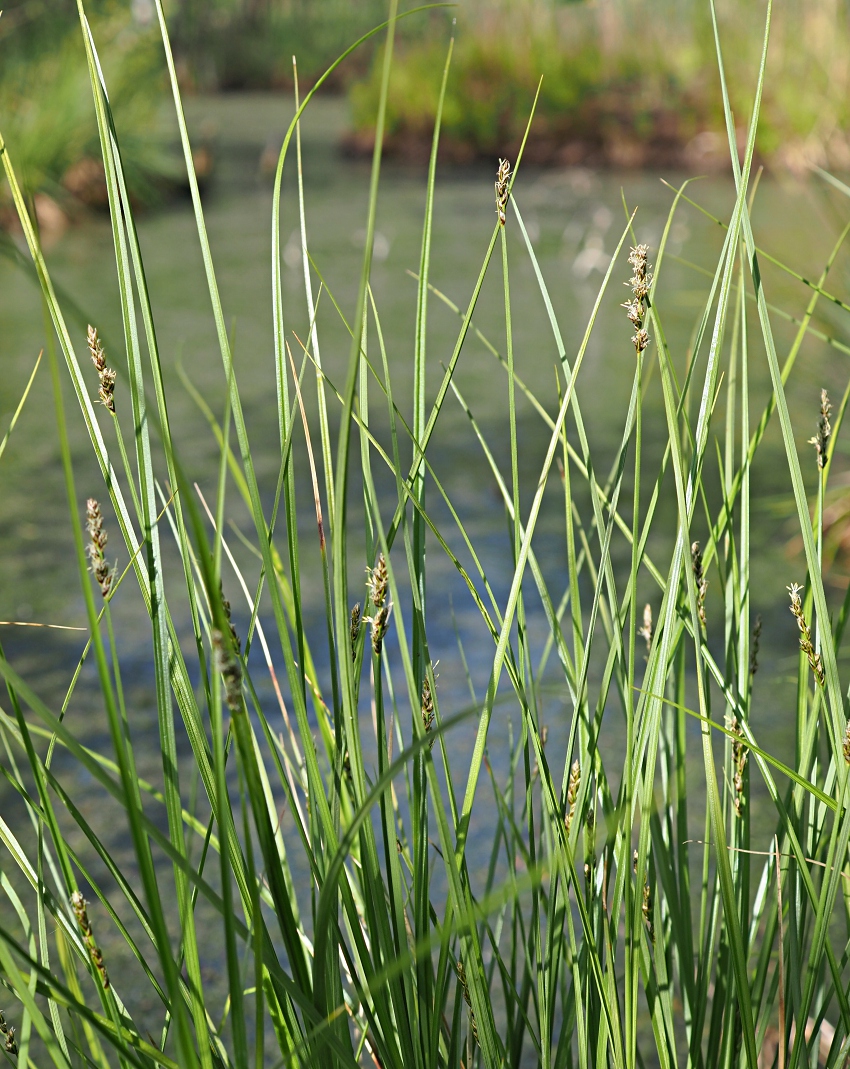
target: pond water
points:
(574, 218)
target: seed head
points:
(572, 794)
(821, 439)
(641, 280)
(377, 582)
(427, 706)
(754, 655)
(227, 663)
(377, 585)
(700, 579)
(97, 543)
(739, 763)
(646, 909)
(461, 975)
(815, 660)
(379, 628)
(237, 642)
(104, 373)
(354, 630)
(8, 1032)
(79, 904)
(503, 176)
(634, 312)
(636, 307)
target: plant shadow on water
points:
(584, 893)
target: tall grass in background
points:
(600, 934)
(625, 83)
(45, 101)
(248, 44)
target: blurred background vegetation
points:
(626, 83)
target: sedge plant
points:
(353, 930)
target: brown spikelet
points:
(354, 630)
(379, 628)
(105, 374)
(572, 794)
(461, 975)
(10, 1044)
(754, 654)
(237, 642)
(79, 904)
(427, 705)
(377, 583)
(503, 176)
(646, 909)
(739, 763)
(821, 439)
(227, 663)
(639, 283)
(814, 658)
(700, 580)
(97, 544)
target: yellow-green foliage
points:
(629, 81)
(48, 115)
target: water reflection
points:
(574, 219)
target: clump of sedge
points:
(105, 374)
(821, 439)
(640, 282)
(503, 176)
(97, 544)
(78, 904)
(815, 660)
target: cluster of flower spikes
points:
(640, 282)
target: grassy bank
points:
(624, 84)
(245, 44)
(45, 101)
(294, 886)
